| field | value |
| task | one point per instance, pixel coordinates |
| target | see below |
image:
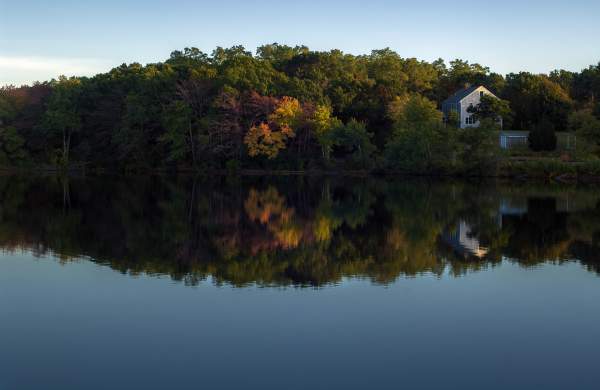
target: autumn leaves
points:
(270, 137)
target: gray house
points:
(462, 100)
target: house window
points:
(481, 94)
(470, 120)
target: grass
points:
(552, 169)
(566, 143)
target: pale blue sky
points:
(42, 39)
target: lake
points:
(298, 283)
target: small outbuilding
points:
(511, 139)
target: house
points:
(462, 100)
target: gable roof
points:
(460, 95)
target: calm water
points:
(298, 283)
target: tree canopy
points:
(283, 108)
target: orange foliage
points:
(262, 140)
(268, 139)
(270, 209)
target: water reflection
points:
(298, 230)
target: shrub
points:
(543, 137)
(425, 150)
(546, 169)
(589, 168)
(353, 143)
(420, 142)
(480, 150)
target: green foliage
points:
(62, 117)
(586, 85)
(131, 138)
(462, 73)
(536, 97)
(421, 143)
(12, 145)
(563, 78)
(179, 135)
(323, 122)
(278, 54)
(430, 150)
(199, 110)
(543, 136)
(492, 108)
(353, 142)
(585, 125)
(453, 119)
(413, 111)
(547, 169)
(8, 104)
(479, 148)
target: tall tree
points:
(536, 97)
(62, 115)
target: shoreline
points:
(531, 170)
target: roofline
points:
(448, 100)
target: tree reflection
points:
(298, 231)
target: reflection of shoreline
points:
(512, 205)
(296, 231)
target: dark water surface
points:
(298, 283)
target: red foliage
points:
(256, 108)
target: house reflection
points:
(464, 242)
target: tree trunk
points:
(66, 146)
(192, 143)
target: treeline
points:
(283, 108)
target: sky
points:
(40, 40)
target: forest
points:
(288, 108)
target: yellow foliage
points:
(322, 120)
(270, 209)
(396, 107)
(289, 235)
(287, 114)
(323, 229)
(263, 140)
(413, 110)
